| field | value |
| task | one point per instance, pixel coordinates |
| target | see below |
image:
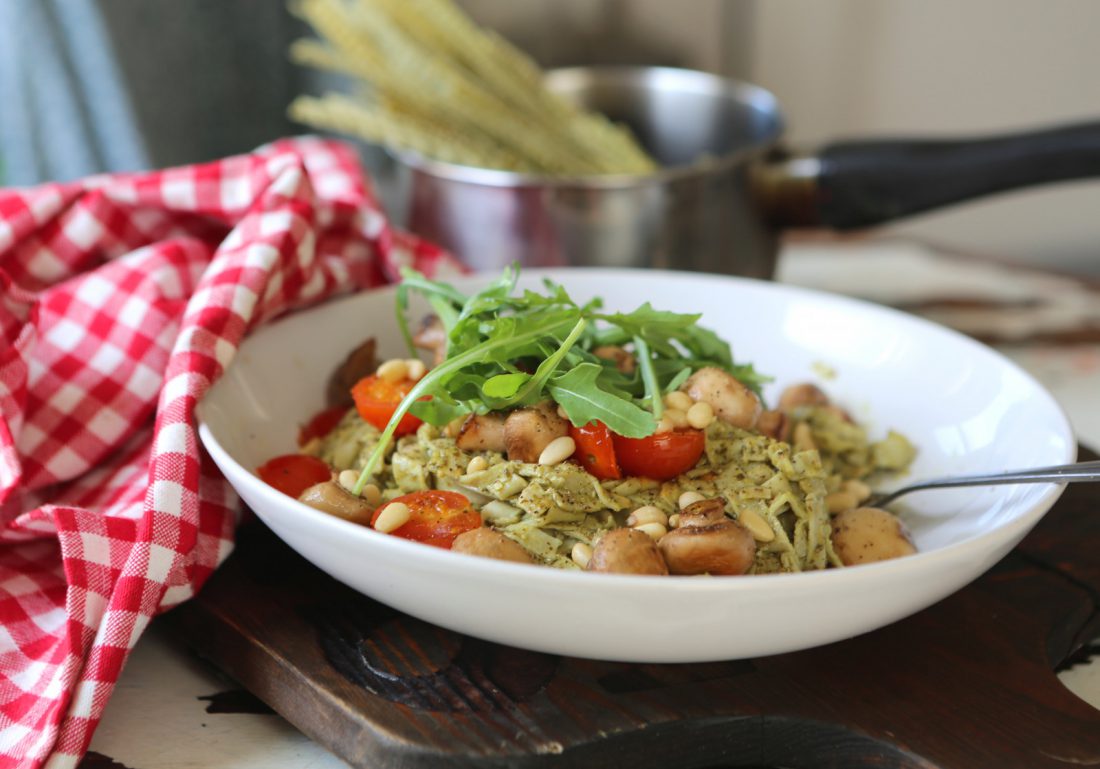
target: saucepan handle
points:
(860, 183)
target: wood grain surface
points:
(966, 684)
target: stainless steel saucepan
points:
(726, 187)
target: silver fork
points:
(1075, 473)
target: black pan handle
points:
(860, 183)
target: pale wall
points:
(852, 68)
(846, 68)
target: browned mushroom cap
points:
(774, 424)
(804, 394)
(490, 544)
(623, 360)
(704, 512)
(482, 432)
(707, 542)
(360, 362)
(732, 401)
(432, 337)
(869, 534)
(332, 498)
(626, 551)
(528, 431)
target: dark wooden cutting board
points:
(966, 684)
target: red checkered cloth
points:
(122, 298)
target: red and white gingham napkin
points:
(122, 298)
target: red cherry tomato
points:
(435, 517)
(376, 399)
(660, 456)
(293, 473)
(321, 424)
(595, 450)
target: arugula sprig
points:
(506, 351)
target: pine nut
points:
(700, 415)
(561, 412)
(557, 451)
(654, 530)
(647, 514)
(415, 369)
(663, 425)
(581, 554)
(679, 400)
(676, 417)
(393, 370)
(477, 464)
(348, 479)
(372, 494)
(674, 521)
(393, 516)
(756, 525)
(454, 427)
(839, 501)
(689, 498)
(858, 489)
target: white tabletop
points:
(158, 719)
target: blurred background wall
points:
(196, 79)
(850, 67)
(854, 68)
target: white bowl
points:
(967, 408)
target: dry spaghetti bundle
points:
(432, 81)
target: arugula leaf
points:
(434, 383)
(438, 411)
(649, 376)
(704, 343)
(504, 385)
(534, 386)
(441, 296)
(676, 339)
(655, 326)
(491, 299)
(578, 392)
(493, 337)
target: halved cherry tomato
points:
(436, 517)
(660, 456)
(376, 399)
(293, 473)
(595, 450)
(321, 424)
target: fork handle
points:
(1078, 472)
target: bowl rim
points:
(892, 569)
